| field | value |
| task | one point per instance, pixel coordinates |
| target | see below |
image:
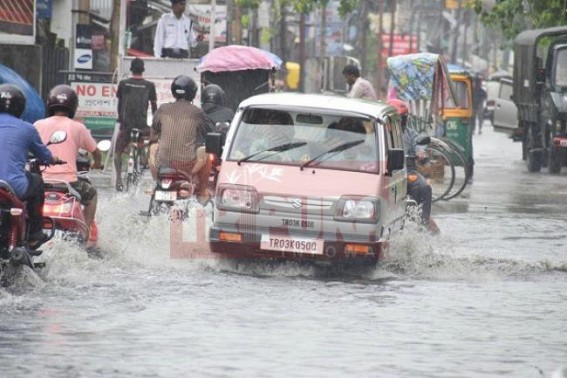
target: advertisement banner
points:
(83, 48)
(17, 21)
(98, 106)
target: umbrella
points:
(35, 108)
(238, 58)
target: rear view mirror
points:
(396, 159)
(57, 137)
(214, 143)
(104, 145)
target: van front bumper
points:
(235, 243)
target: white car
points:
(505, 115)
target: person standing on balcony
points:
(174, 34)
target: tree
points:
(514, 16)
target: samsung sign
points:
(83, 57)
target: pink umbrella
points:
(238, 58)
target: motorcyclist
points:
(212, 103)
(179, 129)
(62, 104)
(417, 187)
(18, 139)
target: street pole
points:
(229, 10)
(212, 31)
(302, 52)
(379, 56)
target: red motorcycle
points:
(63, 206)
(14, 233)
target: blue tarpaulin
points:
(35, 108)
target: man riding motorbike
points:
(417, 187)
(18, 139)
(62, 104)
(212, 103)
(179, 128)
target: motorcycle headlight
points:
(238, 198)
(358, 209)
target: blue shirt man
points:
(18, 138)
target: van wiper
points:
(278, 149)
(333, 151)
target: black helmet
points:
(62, 98)
(183, 87)
(12, 100)
(212, 94)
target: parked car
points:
(491, 87)
(505, 115)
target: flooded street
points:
(486, 298)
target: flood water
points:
(486, 298)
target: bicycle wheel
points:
(462, 174)
(439, 172)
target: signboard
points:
(17, 22)
(98, 106)
(403, 44)
(44, 9)
(203, 14)
(83, 48)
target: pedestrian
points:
(178, 128)
(175, 35)
(134, 94)
(479, 97)
(359, 87)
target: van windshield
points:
(295, 138)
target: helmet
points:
(401, 107)
(62, 98)
(12, 100)
(183, 87)
(212, 94)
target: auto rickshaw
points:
(457, 114)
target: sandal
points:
(36, 240)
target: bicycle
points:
(133, 167)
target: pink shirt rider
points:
(362, 88)
(78, 137)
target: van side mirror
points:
(396, 159)
(540, 76)
(214, 143)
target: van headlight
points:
(241, 198)
(358, 208)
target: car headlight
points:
(238, 198)
(358, 208)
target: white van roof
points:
(319, 101)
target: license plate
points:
(162, 195)
(563, 142)
(291, 244)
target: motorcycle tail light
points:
(16, 211)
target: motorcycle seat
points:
(15, 200)
(172, 172)
(62, 187)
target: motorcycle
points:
(413, 210)
(63, 205)
(172, 194)
(14, 232)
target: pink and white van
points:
(311, 177)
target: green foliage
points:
(514, 16)
(306, 6)
(249, 4)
